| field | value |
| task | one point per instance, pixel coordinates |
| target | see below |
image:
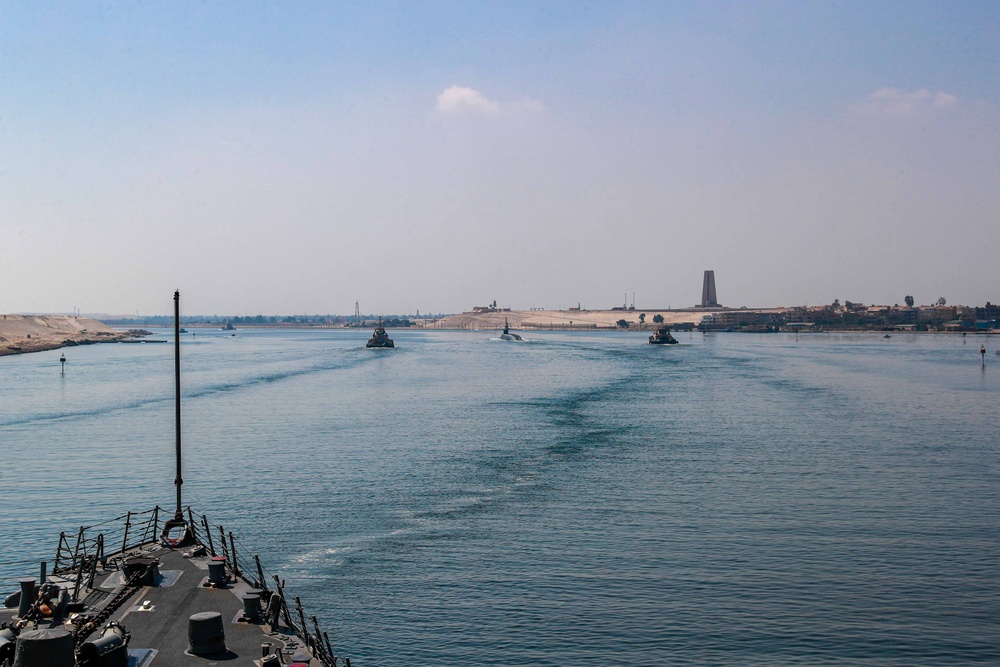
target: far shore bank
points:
(568, 319)
(880, 320)
(21, 334)
(33, 333)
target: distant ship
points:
(507, 335)
(229, 327)
(662, 337)
(380, 338)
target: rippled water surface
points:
(576, 499)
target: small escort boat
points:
(662, 337)
(507, 335)
(380, 338)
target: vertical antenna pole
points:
(178, 481)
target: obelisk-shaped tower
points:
(708, 298)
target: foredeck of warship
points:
(157, 616)
(164, 597)
(163, 624)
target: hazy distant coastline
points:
(833, 317)
(566, 319)
(33, 333)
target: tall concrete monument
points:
(708, 298)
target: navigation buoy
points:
(62, 360)
(982, 353)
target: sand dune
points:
(33, 333)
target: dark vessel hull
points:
(507, 335)
(380, 338)
(662, 337)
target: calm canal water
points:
(576, 499)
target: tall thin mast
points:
(178, 481)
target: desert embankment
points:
(34, 333)
(564, 319)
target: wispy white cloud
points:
(530, 104)
(898, 102)
(944, 100)
(459, 99)
(462, 99)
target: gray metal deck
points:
(157, 616)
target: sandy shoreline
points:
(20, 334)
(566, 319)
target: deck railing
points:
(109, 543)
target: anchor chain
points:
(90, 624)
(34, 612)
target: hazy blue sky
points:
(297, 156)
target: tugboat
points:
(115, 596)
(662, 337)
(380, 338)
(507, 335)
